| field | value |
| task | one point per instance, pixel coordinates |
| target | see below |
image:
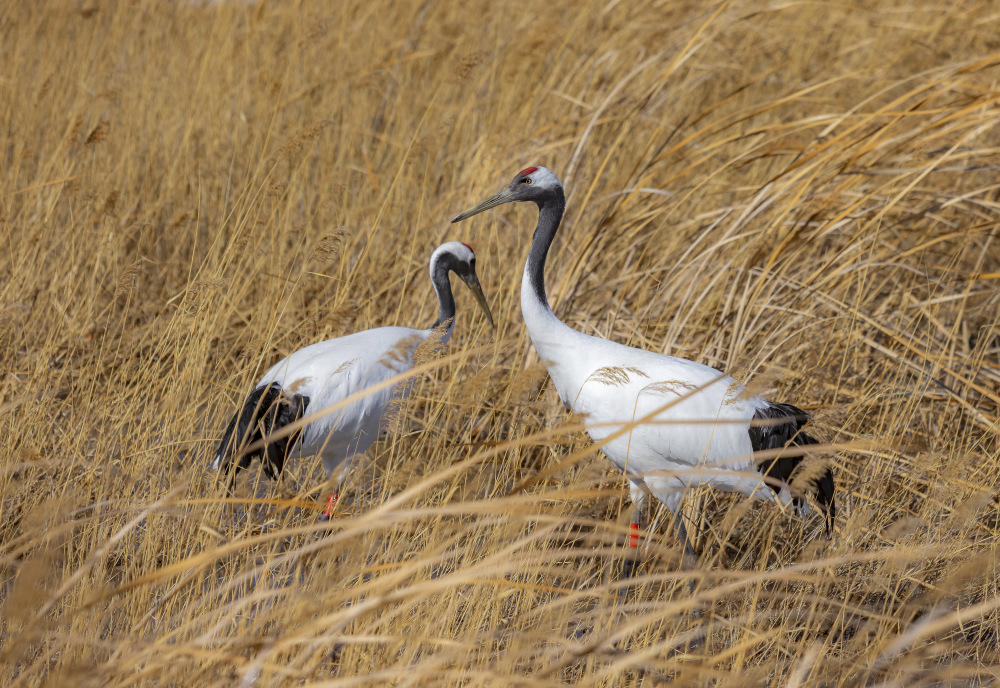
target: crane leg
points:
(690, 556)
(631, 561)
(331, 503)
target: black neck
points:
(550, 212)
(442, 285)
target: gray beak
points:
(477, 291)
(499, 198)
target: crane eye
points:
(526, 180)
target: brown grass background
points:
(802, 194)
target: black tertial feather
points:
(265, 410)
(781, 425)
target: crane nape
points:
(668, 423)
(320, 375)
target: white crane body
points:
(330, 371)
(684, 423)
(321, 375)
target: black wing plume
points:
(265, 410)
(785, 428)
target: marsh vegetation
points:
(803, 195)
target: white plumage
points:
(323, 374)
(700, 419)
(330, 371)
(679, 423)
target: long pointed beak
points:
(477, 291)
(499, 198)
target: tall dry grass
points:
(804, 194)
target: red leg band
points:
(330, 503)
(633, 535)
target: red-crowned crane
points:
(323, 374)
(667, 422)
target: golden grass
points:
(803, 194)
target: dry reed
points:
(802, 194)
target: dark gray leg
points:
(690, 556)
(688, 561)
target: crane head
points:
(457, 257)
(536, 184)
